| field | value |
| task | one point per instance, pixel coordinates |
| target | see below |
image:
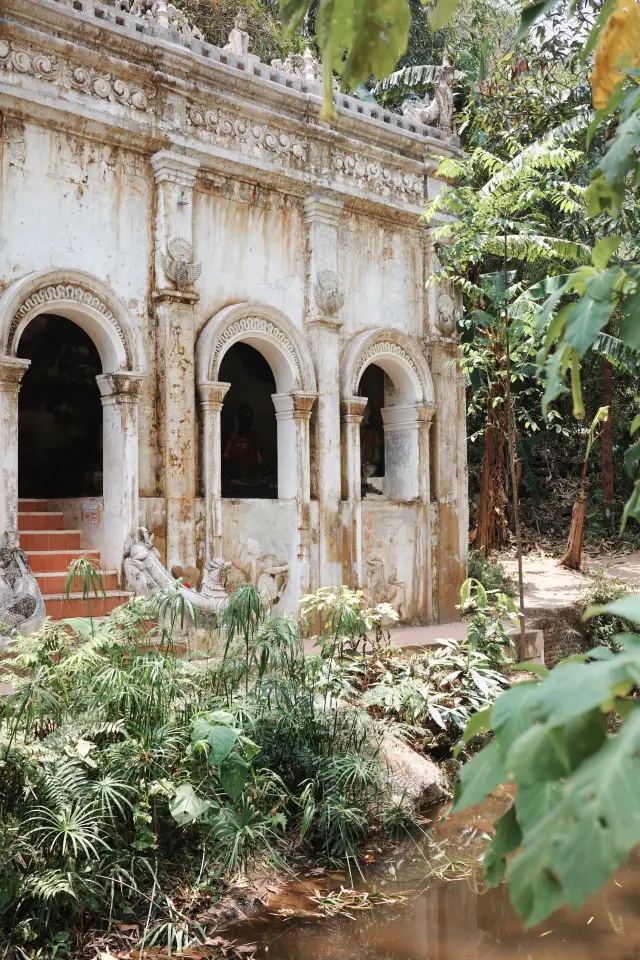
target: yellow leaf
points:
(618, 48)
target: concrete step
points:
(54, 582)
(56, 561)
(50, 540)
(32, 521)
(533, 643)
(60, 606)
(32, 506)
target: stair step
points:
(59, 606)
(56, 561)
(32, 506)
(53, 582)
(51, 540)
(32, 521)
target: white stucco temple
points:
(215, 321)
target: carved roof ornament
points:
(304, 65)
(436, 112)
(164, 14)
(178, 265)
(329, 298)
(239, 37)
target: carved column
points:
(120, 393)
(322, 216)
(352, 410)
(175, 271)
(293, 412)
(11, 372)
(211, 396)
(424, 560)
(449, 475)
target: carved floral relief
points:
(230, 127)
(21, 59)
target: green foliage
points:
(574, 816)
(357, 38)
(492, 610)
(600, 629)
(125, 771)
(490, 575)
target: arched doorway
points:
(248, 426)
(60, 412)
(372, 456)
(81, 300)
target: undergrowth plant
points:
(126, 772)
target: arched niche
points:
(95, 307)
(408, 409)
(282, 345)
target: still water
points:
(446, 919)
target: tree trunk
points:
(492, 524)
(607, 433)
(573, 552)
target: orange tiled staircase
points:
(50, 549)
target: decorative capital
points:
(426, 415)
(170, 167)
(211, 394)
(352, 409)
(119, 387)
(302, 405)
(323, 210)
(12, 370)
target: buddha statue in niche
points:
(242, 456)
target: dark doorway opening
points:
(60, 413)
(372, 466)
(248, 426)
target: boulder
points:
(415, 779)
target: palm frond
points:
(409, 77)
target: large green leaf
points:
(506, 838)
(187, 806)
(630, 320)
(533, 803)
(539, 754)
(220, 738)
(358, 38)
(233, 775)
(534, 889)
(587, 317)
(482, 774)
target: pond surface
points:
(448, 919)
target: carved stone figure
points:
(239, 38)
(265, 571)
(144, 573)
(329, 297)
(163, 13)
(446, 319)
(383, 587)
(178, 265)
(437, 111)
(21, 603)
(304, 65)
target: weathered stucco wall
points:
(251, 242)
(381, 272)
(391, 534)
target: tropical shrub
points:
(126, 772)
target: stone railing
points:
(159, 25)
